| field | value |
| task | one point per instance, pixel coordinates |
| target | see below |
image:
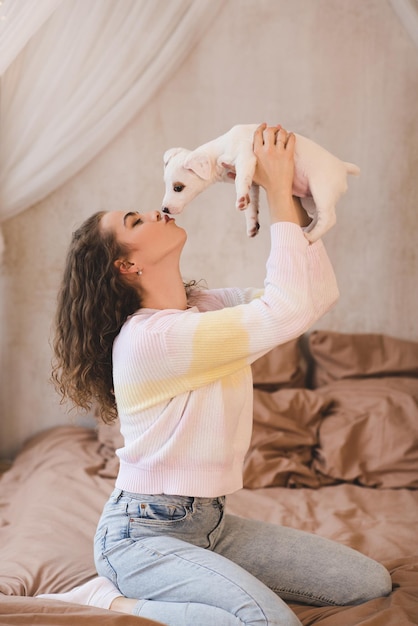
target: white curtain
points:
(75, 72)
(19, 20)
(407, 11)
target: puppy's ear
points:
(199, 163)
(168, 154)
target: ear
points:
(168, 154)
(124, 266)
(199, 163)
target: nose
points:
(155, 216)
(166, 210)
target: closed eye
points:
(130, 224)
(178, 187)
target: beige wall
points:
(343, 72)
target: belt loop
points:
(116, 495)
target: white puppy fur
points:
(320, 178)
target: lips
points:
(168, 219)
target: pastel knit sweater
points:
(183, 381)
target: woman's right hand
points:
(274, 148)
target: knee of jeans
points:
(382, 583)
(378, 584)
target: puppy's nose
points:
(166, 210)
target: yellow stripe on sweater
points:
(213, 340)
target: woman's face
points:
(149, 237)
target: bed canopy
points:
(73, 74)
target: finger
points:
(290, 143)
(270, 134)
(278, 128)
(258, 136)
(281, 138)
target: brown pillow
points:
(282, 367)
(47, 532)
(284, 435)
(109, 435)
(342, 355)
(369, 434)
(110, 438)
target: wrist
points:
(281, 207)
(286, 208)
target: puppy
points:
(320, 178)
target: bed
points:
(334, 451)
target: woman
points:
(174, 364)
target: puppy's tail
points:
(352, 169)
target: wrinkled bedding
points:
(334, 451)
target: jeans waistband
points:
(117, 494)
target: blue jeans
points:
(193, 565)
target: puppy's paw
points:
(230, 170)
(253, 229)
(243, 202)
(312, 237)
(319, 226)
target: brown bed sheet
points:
(18, 611)
(51, 498)
(379, 523)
